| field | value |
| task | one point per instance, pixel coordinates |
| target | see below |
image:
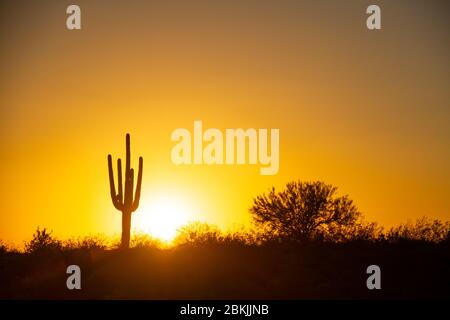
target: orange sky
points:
(367, 111)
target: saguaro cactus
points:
(124, 202)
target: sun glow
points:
(161, 216)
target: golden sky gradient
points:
(367, 111)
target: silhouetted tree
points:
(124, 201)
(303, 209)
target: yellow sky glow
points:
(365, 111)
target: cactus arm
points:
(130, 202)
(128, 158)
(119, 181)
(111, 179)
(112, 187)
(128, 190)
(137, 194)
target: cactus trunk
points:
(126, 227)
(123, 199)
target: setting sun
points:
(162, 215)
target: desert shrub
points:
(114, 241)
(88, 242)
(143, 240)
(42, 241)
(359, 231)
(3, 247)
(423, 229)
(241, 236)
(198, 233)
(302, 210)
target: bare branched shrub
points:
(423, 229)
(143, 240)
(359, 231)
(198, 233)
(302, 210)
(242, 235)
(42, 241)
(3, 247)
(89, 242)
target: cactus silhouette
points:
(124, 202)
